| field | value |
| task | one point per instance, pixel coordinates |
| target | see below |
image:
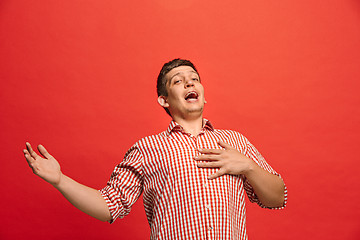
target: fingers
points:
(216, 151)
(211, 151)
(207, 158)
(28, 147)
(43, 151)
(219, 173)
(31, 151)
(209, 164)
(223, 159)
(225, 145)
(28, 157)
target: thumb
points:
(225, 145)
(43, 151)
(217, 174)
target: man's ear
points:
(163, 101)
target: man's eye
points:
(177, 81)
(195, 79)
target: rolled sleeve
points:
(125, 185)
(255, 155)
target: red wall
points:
(79, 77)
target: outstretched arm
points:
(84, 198)
(268, 187)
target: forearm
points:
(86, 199)
(268, 187)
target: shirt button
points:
(207, 206)
(210, 228)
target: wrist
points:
(251, 168)
(60, 181)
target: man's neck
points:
(192, 126)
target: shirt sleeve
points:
(254, 154)
(125, 184)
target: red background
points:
(79, 77)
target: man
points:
(193, 177)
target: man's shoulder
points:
(146, 143)
(230, 134)
(151, 138)
(227, 132)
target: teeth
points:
(191, 95)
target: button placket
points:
(206, 185)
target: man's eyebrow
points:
(192, 71)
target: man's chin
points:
(195, 110)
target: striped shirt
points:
(179, 201)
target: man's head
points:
(176, 79)
(162, 80)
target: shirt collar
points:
(175, 127)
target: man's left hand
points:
(229, 161)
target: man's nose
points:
(189, 83)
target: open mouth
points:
(191, 96)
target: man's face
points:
(185, 93)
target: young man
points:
(193, 177)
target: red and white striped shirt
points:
(179, 201)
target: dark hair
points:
(167, 67)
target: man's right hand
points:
(84, 198)
(45, 167)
